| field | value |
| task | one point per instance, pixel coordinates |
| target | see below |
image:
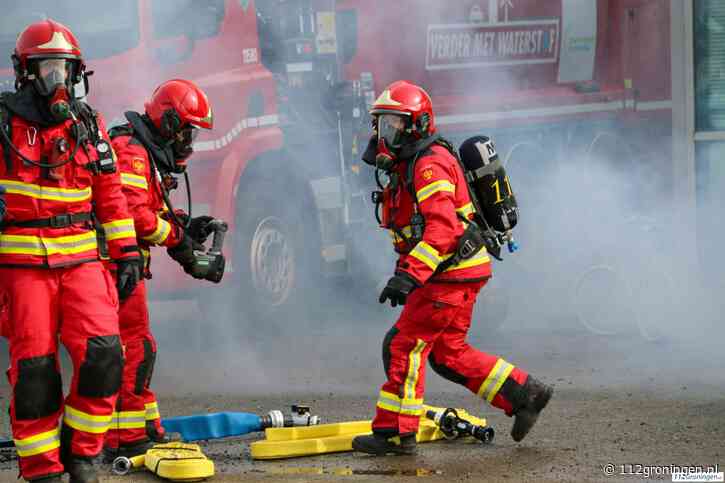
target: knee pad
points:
(445, 371)
(101, 372)
(38, 391)
(145, 370)
(386, 347)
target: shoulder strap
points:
(89, 118)
(427, 149)
(423, 148)
(122, 130)
(448, 145)
(410, 174)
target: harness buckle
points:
(468, 248)
(61, 221)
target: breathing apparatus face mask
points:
(182, 145)
(391, 129)
(391, 137)
(52, 81)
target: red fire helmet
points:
(176, 104)
(46, 39)
(407, 99)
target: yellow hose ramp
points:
(334, 438)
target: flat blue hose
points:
(212, 425)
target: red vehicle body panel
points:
(216, 64)
(394, 42)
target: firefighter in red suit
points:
(425, 206)
(60, 179)
(150, 148)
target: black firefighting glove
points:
(398, 288)
(183, 253)
(2, 204)
(198, 228)
(128, 273)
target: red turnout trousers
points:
(37, 305)
(433, 326)
(137, 413)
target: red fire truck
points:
(290, 82)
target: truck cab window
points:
(103, 27)
(192, 18)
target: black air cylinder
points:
(489, 183)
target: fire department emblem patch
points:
(138, 165)
(427, 174)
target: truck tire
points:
(602, 300)
(276, 254)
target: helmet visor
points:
(391, 129)
(52, 73)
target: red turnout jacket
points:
(442, 194)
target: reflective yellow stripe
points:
(67, 195)
(426, 254)
(152, 411)
(42, 246)
(389, 401)
(411, 379)
(163, 228)
(437, 186)
(86, 422)
(119, 229)
(128, 420)
(480, 258)
(38, 443)
(134, 180)
(412, 407)
(495, 380)
(499, 382)
(406, 230)
(465, 210)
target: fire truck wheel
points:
(602, 300)
(276, 270)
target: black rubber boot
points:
(127, 450)
(81, 470)
(381, 445)
(537, 396)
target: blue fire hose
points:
(222, 425)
